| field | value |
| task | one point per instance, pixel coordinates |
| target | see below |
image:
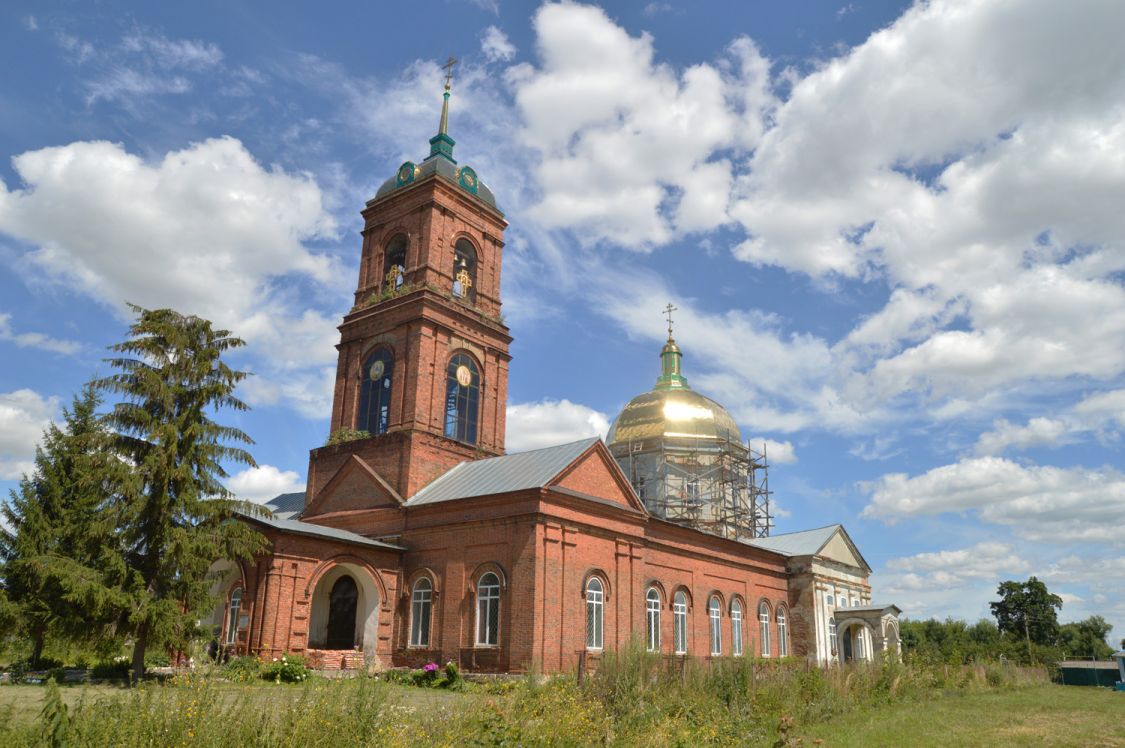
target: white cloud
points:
(1103, 405)
(777, 453)
(264, 482)
(550, 422)
(629, 149)
(24, 416)
(173, 53)
(36, 339)
(207, 230)
(987, 560)
(496, 46)
(1039, 432)
(1039, 502)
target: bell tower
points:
(422, 373)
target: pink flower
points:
(430, 667)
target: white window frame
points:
(421, 612)
(595, 614)
(488, 607)
(736, 628)
(833, 636)
(782, 632)
(679, 623)
(652, 619)
(715, 618)
(764, 627)
(234, 608)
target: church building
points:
(418, 539)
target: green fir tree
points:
(172, 510)
(59, 547)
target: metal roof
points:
(515, 472)
(287, 505)
(803, 543)
(319, 531)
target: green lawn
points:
(1040, 716)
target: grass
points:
(635, 699)
(1044, 715)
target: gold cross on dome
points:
(448, 66)
(668, 311)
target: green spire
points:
(670, 357)
(441, 144)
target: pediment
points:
(595, 473)
(840, 549)
(356, 485)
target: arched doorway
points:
(344, 609)
(341, 614)
(855, 642)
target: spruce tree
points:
(59, 548)
(172, 510)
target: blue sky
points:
(893, 232)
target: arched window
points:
(394, 264)
(375, 392)
(736, 628)
(462, 399)
(488, 610)
(652, 619)
(833, 642)
(782, 633)
(421, 611)
(764, 626)
(595, 612)
(232, 615)
(341, 614)
(714, 613)
(679, 623)
(465, 271)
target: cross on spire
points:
(668, 311)
(448, 66)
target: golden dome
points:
(679, 412)
(672, 409)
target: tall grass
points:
(634, 698)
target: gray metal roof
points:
(287, 505)
(803, 543)
(319, 531)
(515, 472)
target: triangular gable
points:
(595, 473)
(355, 485)
(839, 547)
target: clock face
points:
(464, 376)
(376, 370)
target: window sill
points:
(486, 646)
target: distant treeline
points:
(957, 642)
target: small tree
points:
(1027, 610)
(61, 544)
(173, 510)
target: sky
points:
(894, 234)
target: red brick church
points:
(418, 539)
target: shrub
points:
(111, 670)
(243, 669)
(286, 669)
(342, 436)
(157, 659)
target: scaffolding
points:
(716, 485)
